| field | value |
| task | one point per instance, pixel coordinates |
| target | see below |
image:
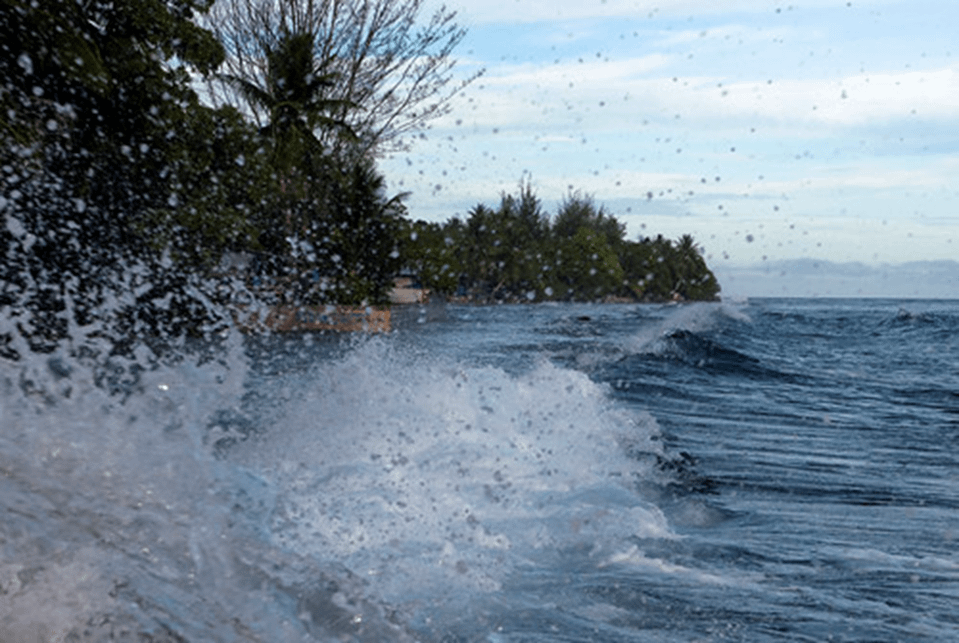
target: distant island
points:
(517, 253)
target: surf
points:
(353, 489)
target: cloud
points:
(517, 11)
(556, 138)
(850, 101)
(587, 73)
(724, 34)
(615, 94)
(826, 160)
(830, 180)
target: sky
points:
(809, 146)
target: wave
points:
(371, 495)
(415, 468)
(697, 336)
(937, 324)
(693, 349)
(696, 318)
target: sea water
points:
(770, 470)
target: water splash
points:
(375, 493)
(686, 318)
(120, 522)
(434, 478)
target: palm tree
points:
(335, 220)
(695, 280)
(363, 235)
(294, 94)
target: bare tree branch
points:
(398, 71)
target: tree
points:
(333, 241)
(428, 250)
(223, 181)
(578, 211)
(331, 231)
(586, 267)
(97, 193)
(527, 212)
(483, 252)
(97, 76)
(294, 98)
(398, 72)
(694, 279)
(640, 268)
(362, 251)
(522, 229)
(514, 254)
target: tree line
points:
(517, 253)
(143, 142)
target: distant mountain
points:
(807, 277)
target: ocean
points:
(762, 470)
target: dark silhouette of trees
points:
(384, 57)
(295, 99)
(329, 234)
(113, 171)
(517, 253)
(580, 211)
(123, 192)
(694, 279)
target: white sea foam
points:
(695, 317)
(377, 478)
(118, 517)
(432, 478)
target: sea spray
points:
(693, 318)
(433, 479)
(121, 524)
(351, 490)
(797, 496)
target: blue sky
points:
(770, 131)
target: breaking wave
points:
(362, 493)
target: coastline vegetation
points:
(518, 253)
(125, 188)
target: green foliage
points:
(429, 250)
(516, 253)
(329, 234)
(694, 279)
(295, 96)
(502, 250)
(222, 179)
(92, 91)
(364, 233)
(118, 185)
(579, 211)
(587, 267)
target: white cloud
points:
(725, 34)
(588, 73)
(556, 138)
(518, 11)
(851, 101)
(829, 180)
(825, 161)
(616, 95)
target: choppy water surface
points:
(777, 470)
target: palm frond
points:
(251, 92)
